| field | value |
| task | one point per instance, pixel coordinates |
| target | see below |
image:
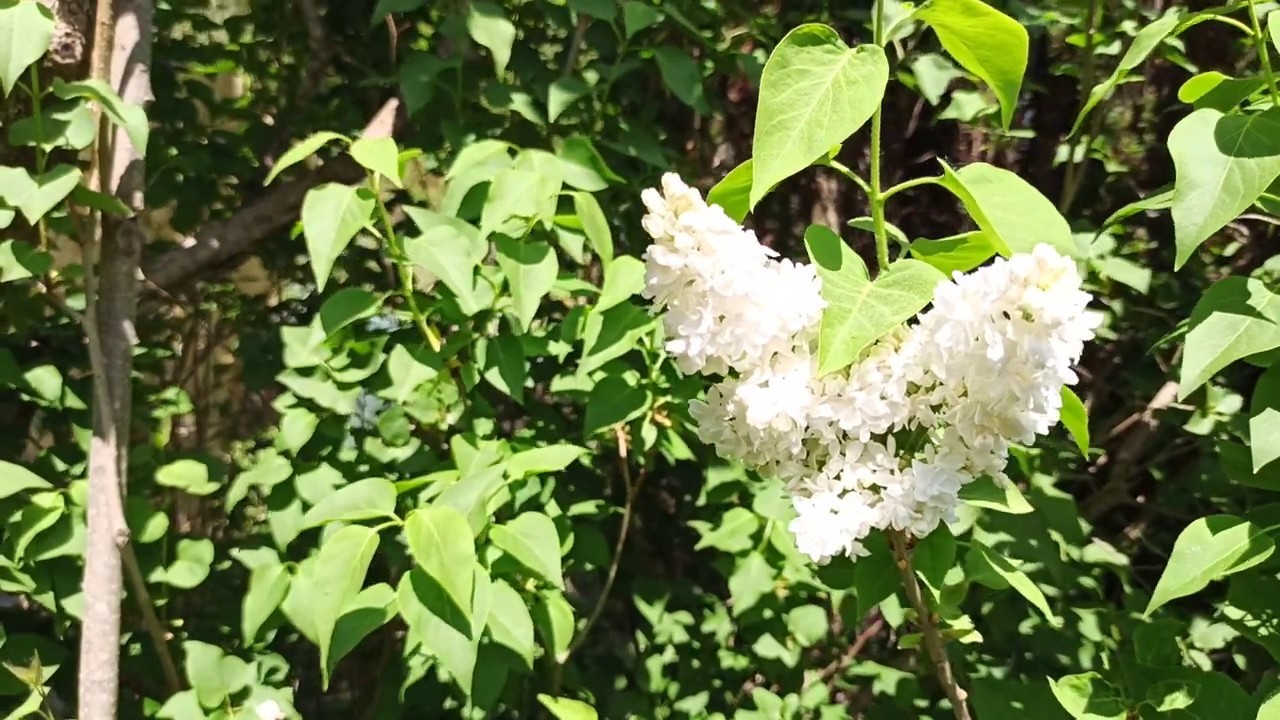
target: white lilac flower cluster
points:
(888, 442)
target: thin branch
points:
(840, 664)
(928, 622)
(633, 489)
(575, 43)
(156, 631)
(221, 240)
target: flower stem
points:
(874, 196)
(1260, 40)
(933, 640)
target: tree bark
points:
(122, 55)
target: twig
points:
(633, 489)
(1074, 175)
(575, 44)
(156, 631)
(837, 666)
(933, 641)
(221, 240)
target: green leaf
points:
(860, 311)
(1075, 418)
(734, 533)
(958, 253)
(202, 663)
(637, 16)
(996, 571)
(583, 166)
(408, 367)
(504, 363)
(442, 545)
(594, 225)
(510, 624)
(1210, 549)
(1235, 318)
(1222, 163)
(130, 117)
(345, 307)
(623, 279)
(268, 585)
(986, 42)
(368, 611)
(562, 93)
(361, 500)
(1144, 43)
(682, 75)
(542, 460)
(984, 492)
(332, 214)
(15, 479)
(190, 476)
(19, 261)
(1215, 90)
(1015, 216)
(752, 579)
(733, 192)
(37, 196)
(530, 267)
(301, 151)
(612, 334)
(814, 93)
(437, 627)
(26, 28)
(933, 74)
(934, 555)
(451, 252)
(69, 125)
(1088, 696)
(808, 624)
(379, 155)
(531, 538)
(489, 26)
(338, 576)
(613, 400)
(1264, 419)
(566, 708)
(191, 564)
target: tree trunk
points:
(124, 58)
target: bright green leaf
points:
(1015, 216)
(531, 538)
(1075, 418)
(986, 42)
(958, 253)
(623, 279)
(301, 151)
(268, 586)
(994, 570)
(15, 479)
(332, 214)
(488, 25)
(338, 576)
(1144, 43)
(131, 118)
(1210, 549)
(733, 192)
(379, 155)
(510, 624)
(442, 545)
(366, 499)
(860, 311)
(345, 307)
(594, 225)
(1264, 419)
(191, 476)
(1222, 163)
(567, 708)
(1235, 318)
(531, 268)
(814, 93)
(26, 28)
